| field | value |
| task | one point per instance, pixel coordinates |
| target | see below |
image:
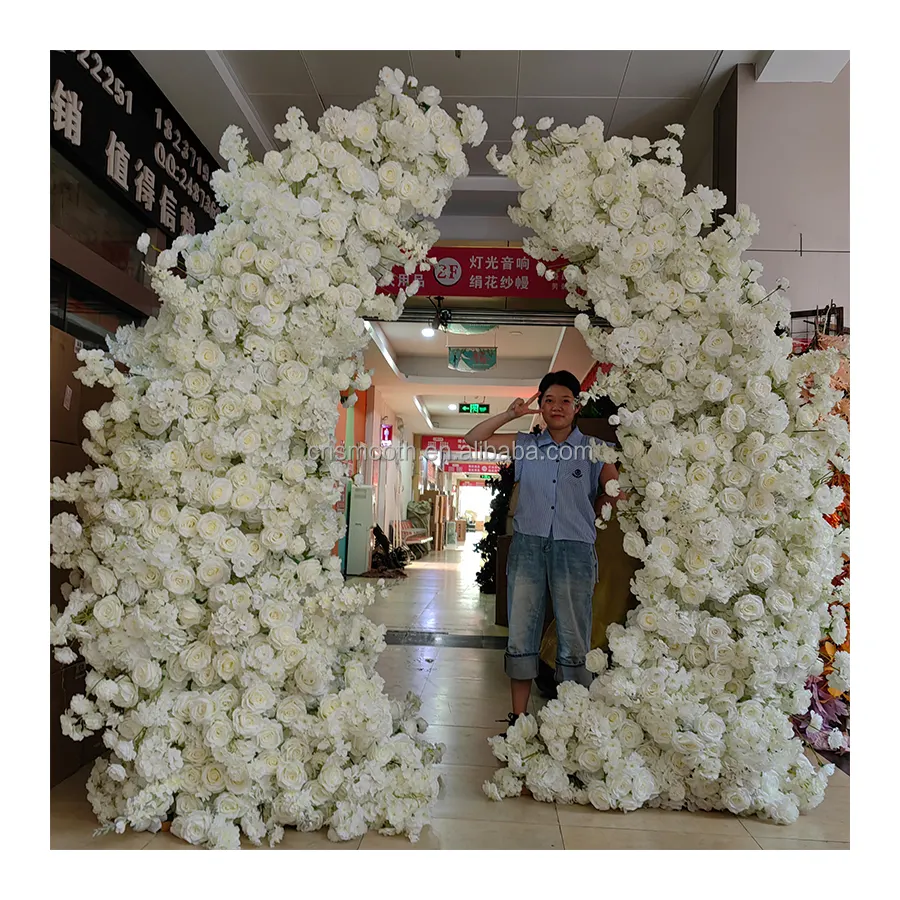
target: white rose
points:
(760, 503)
(390, 175)
(331, 778)
(734, 419)
(103, 581)
(211, 526)
(623, 215)
(718, 389)
(596, 660)
(198, 264)
(692, 594)
(759, 387)
(732, 500)
(209, 355)
(718, 343)
(758, 568)
(333, 226)
(195, 657)
(213, 570)
(231, 267)
(779, 602)
(695, 280)
(219, 492)
(702, 447)
(147, 674)
(291, 775)
(660, 412)
(749, 608)
(674, 368)
(179, 581)
(266, 263)
(252, 287)
(108, 611)
(213, 777)
(630, 735)
(310, 208)
(245, 252)
(736, 799)
(588, 759)
(350, 177)
(195, 826)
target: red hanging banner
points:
(481, 272)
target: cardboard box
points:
(65, 389)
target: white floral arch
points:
(232, 671)
(726, 444)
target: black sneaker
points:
(510, 721)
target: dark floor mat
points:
(442, 639)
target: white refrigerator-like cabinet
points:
(359, 529)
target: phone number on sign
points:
(184, 178)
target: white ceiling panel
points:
(667, 73)
(534, 342)
(477, 73)
(572, 73)
(272, 108)
(566, 110)
(498, 113)
(270, 71)
(648, 118)
(352, 71)
(477, 156)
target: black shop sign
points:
(108, 117)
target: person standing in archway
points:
(561, 490)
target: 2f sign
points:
(447, 271)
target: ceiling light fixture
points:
(516, 333)
(428, 331)
(452, 407)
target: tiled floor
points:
(464, 691)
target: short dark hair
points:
(563, 379)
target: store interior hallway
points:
(444, 646)
(440, 596)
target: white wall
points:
(793, 169)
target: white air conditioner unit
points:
(359, 530)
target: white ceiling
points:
(531, 342)
(633, 91)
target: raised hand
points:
(520, 407)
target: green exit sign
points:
(486, 477)
(479, 408)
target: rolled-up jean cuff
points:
(566, 672)
(522, 667)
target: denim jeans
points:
(567, 571)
